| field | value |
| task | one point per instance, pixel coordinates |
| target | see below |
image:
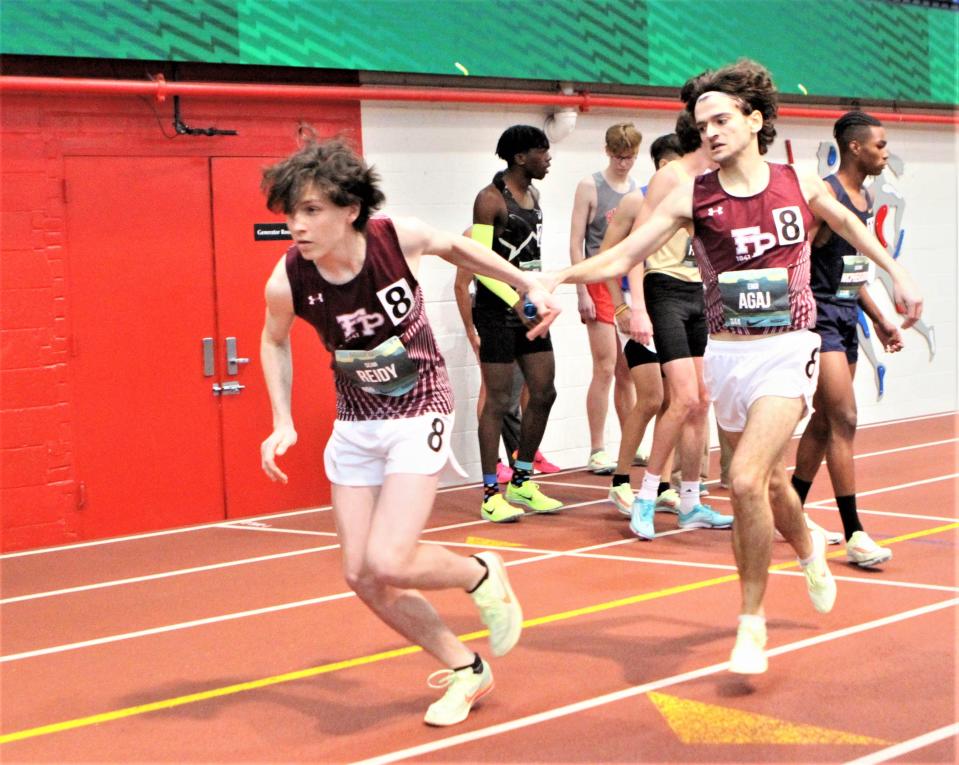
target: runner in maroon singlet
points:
(753, 221)
(353, 278)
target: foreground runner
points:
(753, 221)
(354, 279)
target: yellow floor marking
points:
(484, 542)
(694, 722)
(228, 690)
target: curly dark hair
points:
(518, 139)
(334, 168)
(749, 83)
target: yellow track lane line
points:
(228, 690)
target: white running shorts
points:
(361, 453)
(739, 372)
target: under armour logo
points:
(314, 299)
(751, 236)
(360, 320)
(714, 211)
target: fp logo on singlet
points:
(359, 323)
(789, 230)
(754, 237)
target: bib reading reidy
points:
(385, 359)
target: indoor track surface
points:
(239, 642)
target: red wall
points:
(39, 490)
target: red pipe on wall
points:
(159, 88)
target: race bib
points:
(855, 274)
(386, 370)
(755, 298)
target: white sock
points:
(818, 548)
(650, 486)
(688, 496)
(753, 621)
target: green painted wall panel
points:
(855, 48)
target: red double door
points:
(166, 279)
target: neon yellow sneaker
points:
(464, 687)
(601, 463)
(529, 494)
(622, 496)
(498, 510)
(499, 609)
(668, 502)
(819, 580)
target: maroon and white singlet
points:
(766, 238)
(385, 359)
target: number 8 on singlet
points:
(397, 299)
(789, 225)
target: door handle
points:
(208, 362)
(232, 388)
(232, 360)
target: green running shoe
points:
(498, 510)
(529, 494)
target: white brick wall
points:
(435, 158)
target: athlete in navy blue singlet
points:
(839, 275)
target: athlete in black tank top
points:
(518, 242)
(509, 206)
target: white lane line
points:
(232, 616)
(638, 690)
(541, 555)
(163, 575)
(278, 530)
(882, 582)
(537, 556)
(172, 627)
(240, 526)
(824, 504)
(830, 504)
(544, 481)
(545, 554)
(917, 418)
(249, 525)
(325, 508)
(905, 747)
(896, 487)
(896, 449)
(215, 525)
(152, 534)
